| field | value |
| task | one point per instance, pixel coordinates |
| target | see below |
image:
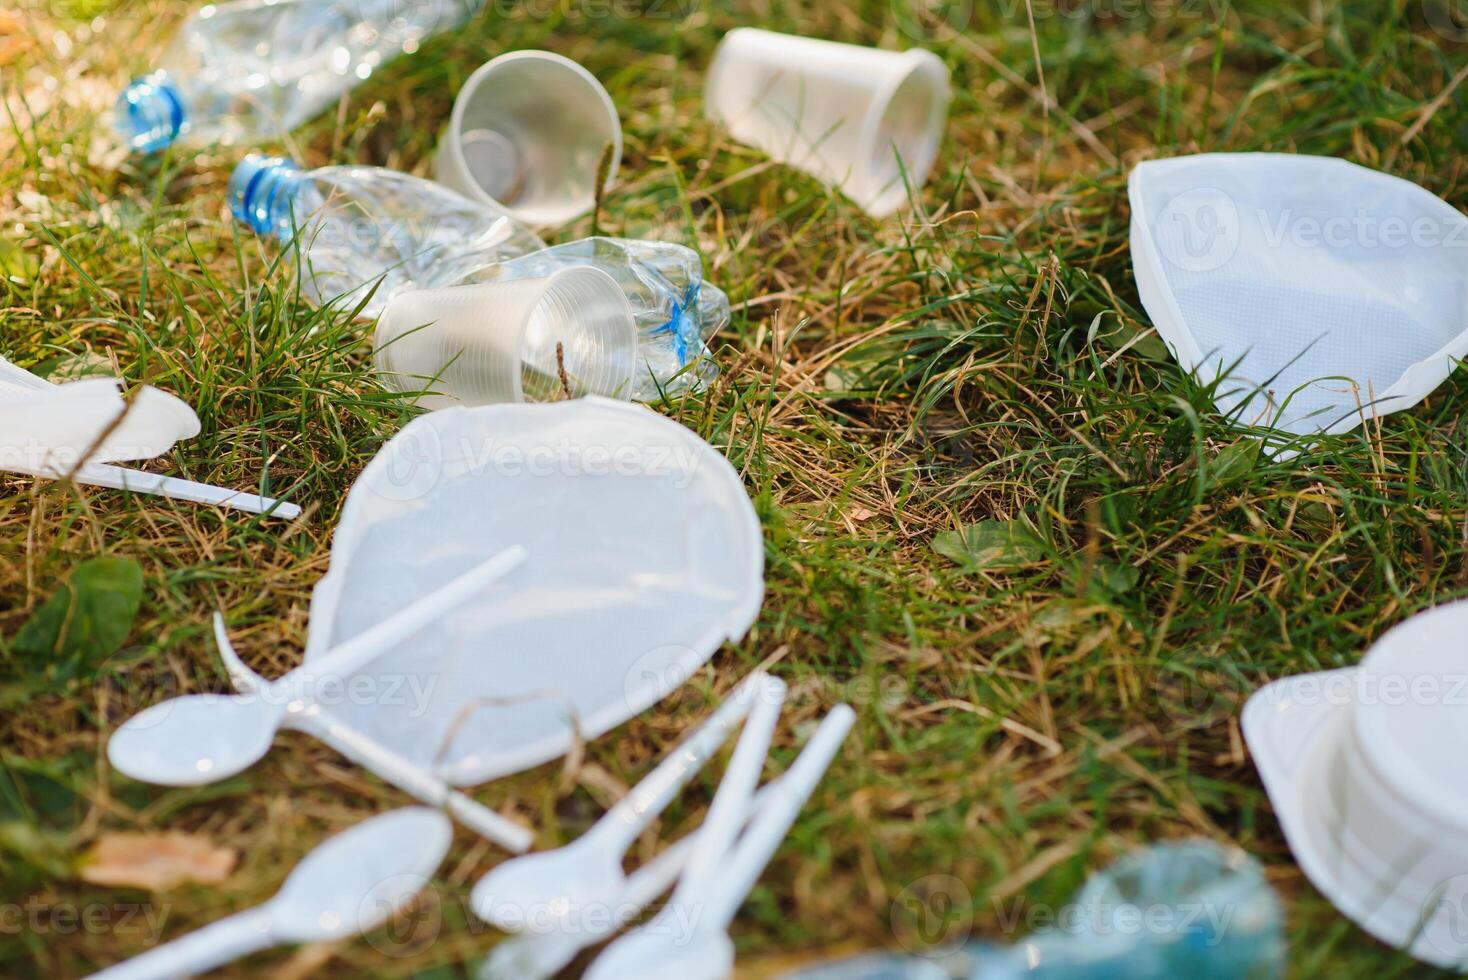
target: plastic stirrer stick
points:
(137, 481)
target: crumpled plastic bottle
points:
(1191, 909)
(366, 232)
(676, 309)
(251, 70)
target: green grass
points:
(882, 383)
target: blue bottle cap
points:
(261, 190)
(150, 113)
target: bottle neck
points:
(151, 113)
(262, 194)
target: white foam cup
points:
(484, 343)
(841, 112)
(527, 135)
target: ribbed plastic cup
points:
(527, 136)
(841, 112)
(494, 342)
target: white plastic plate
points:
(645, 556)
(1322, 292)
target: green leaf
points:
(86, 620)
(1235, 462)
(991, 546)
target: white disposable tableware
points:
(202, 738)
(709, 895)
(1368, 777)
(566, 335)
(527, 135)
(73, 431)
(646, 557)
(354, 882)
(843, 113)
(543, 891)
(1315, 293)
(539, 955)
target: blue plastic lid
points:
(150, 113)
(261, 191)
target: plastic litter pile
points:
(534, 509)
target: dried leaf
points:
(156, 862)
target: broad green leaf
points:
(1235, 462)
(85, 621)
(991, 545)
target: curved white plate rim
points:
(632, 701)
(1292, 741)
(1155, 284)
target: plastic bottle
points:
(1191, 909)
(364, 233)
(367, 233)
(251, 70)
(676, 310)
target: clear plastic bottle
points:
(676, 310)
(364, 233)
(1191, 909)
(250, 70)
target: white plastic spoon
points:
(540, 955)
(664, 948)
(350, 884)
(201, 738)
(550, 886)
(373, 756)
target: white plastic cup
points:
(841, 112)
(1367, 773)
(527, 136)
(479, 344)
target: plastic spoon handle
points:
(624, 823)
(374, 756)
(348, 657)
(136, 481)
(212, 946)
(771, 823)
(413, 780)
(539, 955)
(730, 807)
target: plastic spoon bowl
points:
(539, 955)
(539, 892)
(201, 738)
(348, 885)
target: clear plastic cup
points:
(570, 333)
(527, 136)
(840, 112)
